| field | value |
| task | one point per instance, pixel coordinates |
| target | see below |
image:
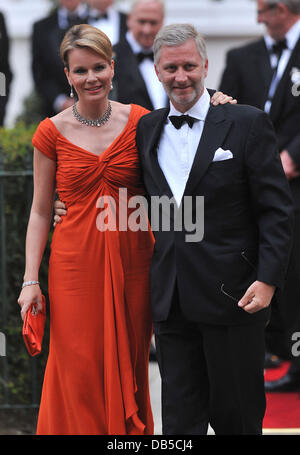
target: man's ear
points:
(283, 9)
(206, 68)
(129, 21)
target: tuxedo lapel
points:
(215, 130)
(264, 70)
(156, 127)
(132, 65)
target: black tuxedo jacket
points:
(129, 85)
(4, 67)
(247, 77)
(247, 217)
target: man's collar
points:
(80, 11)
(95, 13)
(291, 36)
(198, 110)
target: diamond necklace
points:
(98, 122)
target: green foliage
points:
(20, 375)
(32, 110)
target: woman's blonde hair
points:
(87, 37)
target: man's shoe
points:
(287, 383)
(272, 360)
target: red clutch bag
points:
(33, 329)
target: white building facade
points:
(224, 23)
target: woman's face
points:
(90, 74)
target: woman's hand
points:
(221, 98)
(30, 296)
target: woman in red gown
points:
(96, 378)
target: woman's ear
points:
(67, 75)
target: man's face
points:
(271, 16)
(100, 5)
(71, 5)
(145, 21)
(181, 71)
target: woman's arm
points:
(38, 227)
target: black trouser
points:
(285, 320)
(210, 375)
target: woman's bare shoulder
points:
(61, 119)
(121, 110)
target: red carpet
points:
(283, 409)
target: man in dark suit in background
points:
(266, 74)
(6, 74)
(210, 294)
(135, 80)
(104, 16)
(47, 68)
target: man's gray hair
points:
(292, 5)
(176, 35)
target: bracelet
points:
(29, 283)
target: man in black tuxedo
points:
(266, 74)
(6, 74)
(211, 290)
(135, 80)
(104, 16)
(47, 68)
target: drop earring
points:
(71, 93)
(111, 86)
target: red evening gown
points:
(96, 378)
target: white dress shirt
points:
(154, 87)
(177, 148)
(110, 26)
(292, 37)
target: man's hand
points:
(257, 297)
(289, 166)
(60, 210)
(220, 98)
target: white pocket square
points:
(221, 155)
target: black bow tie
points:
(74, 19)
(142, 55)
(279, 46)
(179, 120)
(99, 16)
